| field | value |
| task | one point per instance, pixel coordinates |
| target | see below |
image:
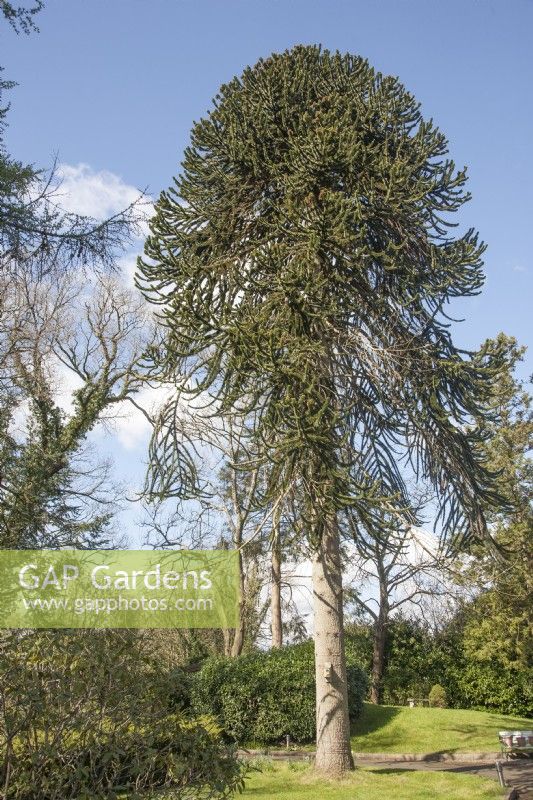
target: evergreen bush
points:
(437, 696)
(263, 697)
(92, 714)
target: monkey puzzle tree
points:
(302, 262)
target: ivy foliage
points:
(42, 246)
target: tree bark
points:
(275, 597)
(238, 636)
(378, 656)
(378, 652)
(227, 636)
(333, 750)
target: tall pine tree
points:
(303, 263)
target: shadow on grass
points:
(372, 720)
(422, 766)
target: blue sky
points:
(116, 86)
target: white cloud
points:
(101, 194)
(18, 424)
(519, 268)
(128, 424)
(95, 194)
(128, 268)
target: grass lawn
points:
(292, 781)
(398, 729)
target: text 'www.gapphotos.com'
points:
(109, 605)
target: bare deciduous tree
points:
(87, 333)
(398, 569)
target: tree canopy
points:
(304, 261)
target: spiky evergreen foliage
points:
(19, 17)
(304, 261)
(498, 624)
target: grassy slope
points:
(293, 781)
(398, 729)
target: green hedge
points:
(491, 686)
(416, 659)
(264, 697)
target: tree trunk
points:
(238, 641)
(275, 597)
(333, 751)
(378, 656)
(238, 636)
(227, 636)
(378, 653)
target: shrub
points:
(417, 658)
(180, 755)
(437, 696)
(264, 697)
(490, 686)
(91, 714)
